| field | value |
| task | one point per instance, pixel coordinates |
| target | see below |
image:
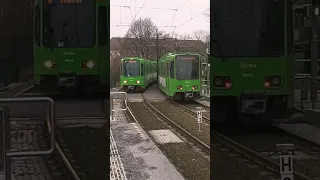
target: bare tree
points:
(142, 33)
(185, 36)
(207, 14)
(201, 35)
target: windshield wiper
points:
(130, 72)
(215, 25)
(125, 69)
(51, 39)
(50, 29)
(223, 58)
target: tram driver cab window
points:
(172, 70)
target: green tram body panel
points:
(248, 74)
(86, 65)
(169, 81)
(137, 72)
(248, 67)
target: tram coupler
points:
(67, 81)
(253, 103)
(130, 87)
(188, 95)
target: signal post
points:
(286, 160)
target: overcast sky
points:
(162, 14)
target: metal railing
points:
(308, 90)
(112, 94)
(6, 152)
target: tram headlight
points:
(138, 82)
(125, 81)
(272, 81)
(88, 64)
(50, 64)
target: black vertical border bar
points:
(107, 99)
(211, 99)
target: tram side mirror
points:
(51, 32)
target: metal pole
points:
(314, 50)
(286, 160)
(157, 46)
(111, 108)
(157, 56)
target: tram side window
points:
(172, 70)
(162, 74)
(165, 70)
(142, 69)
(37, 25)
(162, 69)
(103, 28)
(146, 71)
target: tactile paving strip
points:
(165, 136)
(26, 138)
(118, 116)
(117, 171)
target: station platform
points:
(304, 130)
(140, 157)
(204, 102)
(133, 155)
(306, 103)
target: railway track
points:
(255, 157)
(307, 153)
(180, 129)
(79, 153)
(248, 144)
(80, 132)
(15, 90)
(34, 136)
(223, 146)
(190, 156)
(205, 117)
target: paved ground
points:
(134, 155)
(140, 156)
(204, 102)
